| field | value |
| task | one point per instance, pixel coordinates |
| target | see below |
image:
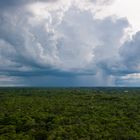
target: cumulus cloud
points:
(125, 68)
(130, 53)
(63, 40)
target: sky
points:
(69, 43)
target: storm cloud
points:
(59, 41)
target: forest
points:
(69, 113)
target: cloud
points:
(67, 44)
(102, 2)
(125, 68)
(9, 3)
(64, 41)
(130, 53)
(11, 81)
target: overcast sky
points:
(69, 43)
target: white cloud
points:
(10, 81)
(130, 53)
(131, 76)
